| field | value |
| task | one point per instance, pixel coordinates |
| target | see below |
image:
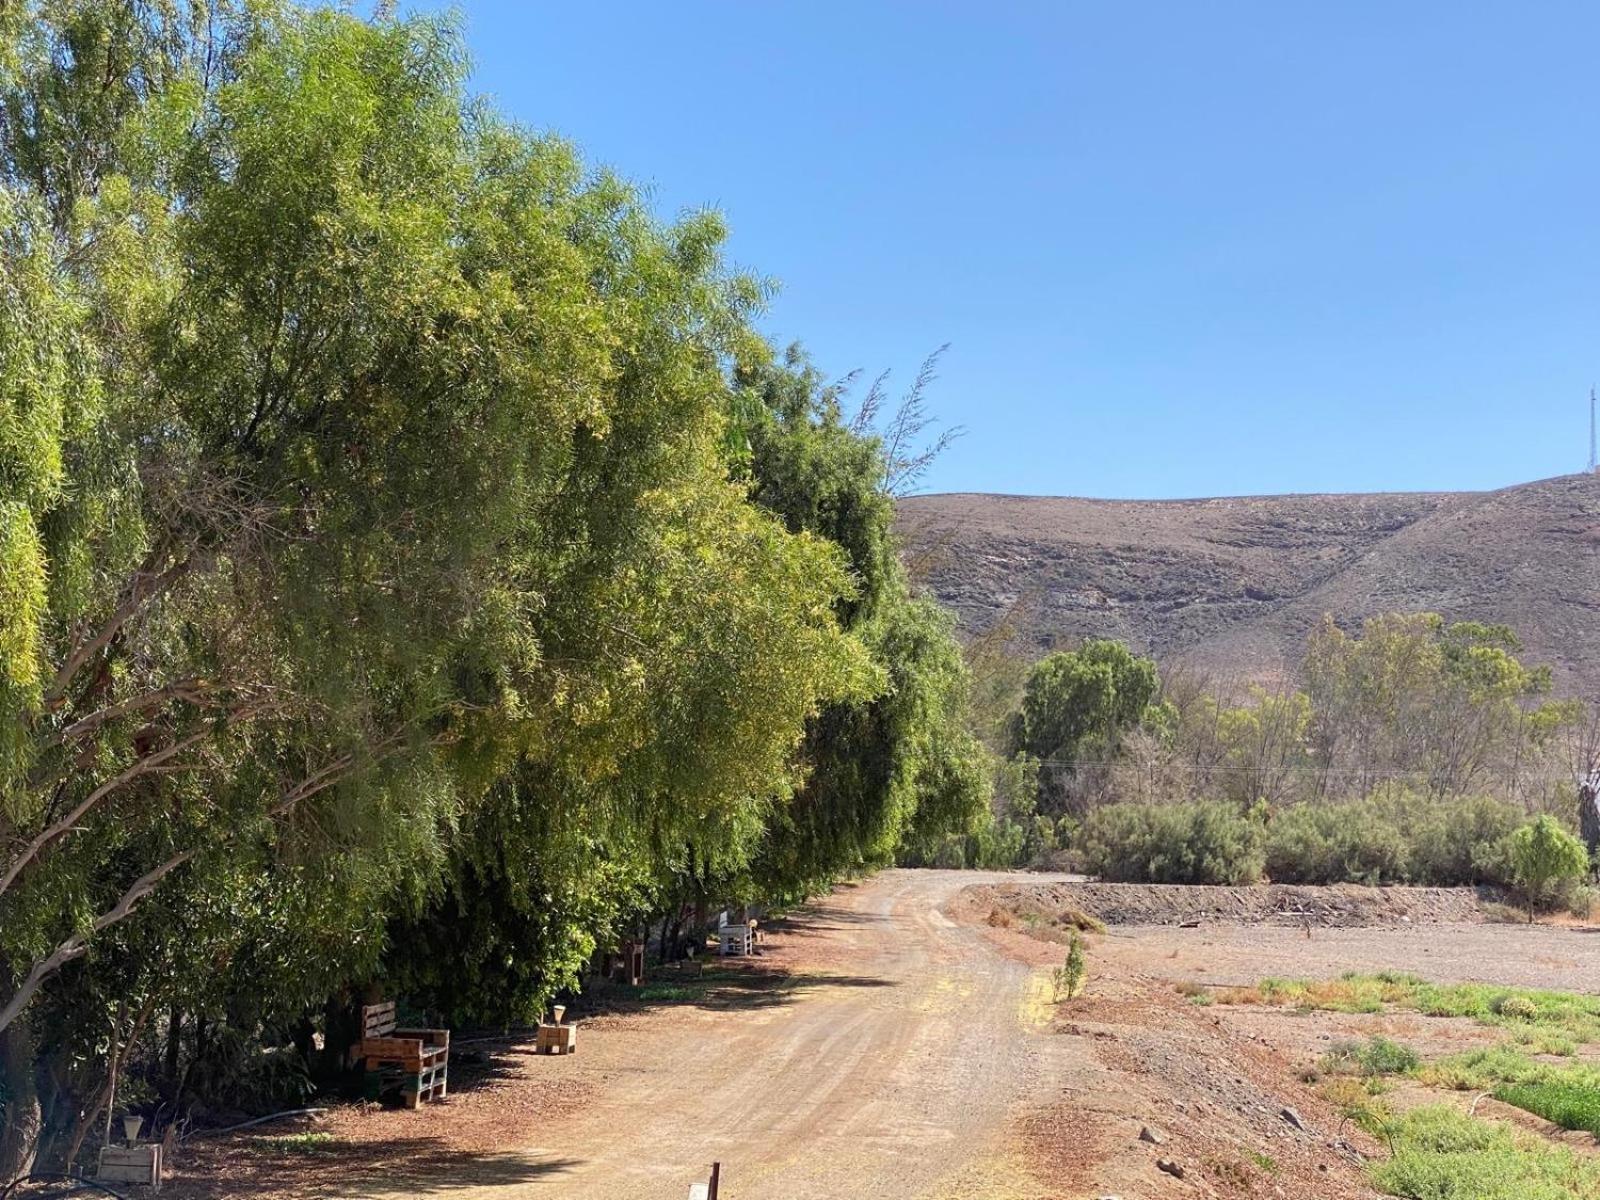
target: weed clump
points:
(1377, 1056)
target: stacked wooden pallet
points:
(556, 1038)
(413, 1062)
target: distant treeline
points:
(1411, 752)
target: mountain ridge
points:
(1233, 584)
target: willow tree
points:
(360, 462)
(904, 758)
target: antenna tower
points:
(1594, 462)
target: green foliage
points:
(1376, 1056)
(898, 769)
(1543, 857)
(1073, 697)
(1562, 1016)
(1181, 843)
(378, 605)
(1416, 696)
(1071, 975)
(1439, 1153)
(1569, 1103)
(1392, 836)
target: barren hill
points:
(1234, 584)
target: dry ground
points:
(892, 1042)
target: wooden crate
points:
(131, 1164)
(557, 1039)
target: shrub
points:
(1545, 858)
(1517, 1008)
(1357, 842)
(1392, 836)
(1179, 843)
(1374, 1057)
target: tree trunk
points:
(19, 1132)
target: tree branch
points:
(76, 945)
(146, 587)
(64, 825)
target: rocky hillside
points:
(1233, 585)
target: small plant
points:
(1517, 1008)
(1356, 1103)
(1264, 1161)
(1377, 1056)
(1069, 977)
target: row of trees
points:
(414, 568)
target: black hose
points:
(77, 1183)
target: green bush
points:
(1070, 976)
(1373, 1057)
(1442, 1154)
(1322, 843)
(1179, 843)
(1546, 860)
(1396, 836)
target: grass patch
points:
(310, 1144)
(658, 992)
(1569, 1103)
(1480, 1070)
(1376, 1056)
(1442, 1154)
(1546, 1021)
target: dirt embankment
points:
(1345, 905)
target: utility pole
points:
(1594, 462)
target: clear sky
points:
(1177, 248)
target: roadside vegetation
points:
(417, 574)
(1435, 1150)
(1419, 751)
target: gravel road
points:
(890, 1071)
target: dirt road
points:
(887, 1069)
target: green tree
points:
(903, 764)
(1081, 700)
(363, 499)
(1544, 857)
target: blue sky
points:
(1177, 248)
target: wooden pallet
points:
(557, 1039)
(131, 1164)
(413, 1062)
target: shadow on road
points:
(408, 1166)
